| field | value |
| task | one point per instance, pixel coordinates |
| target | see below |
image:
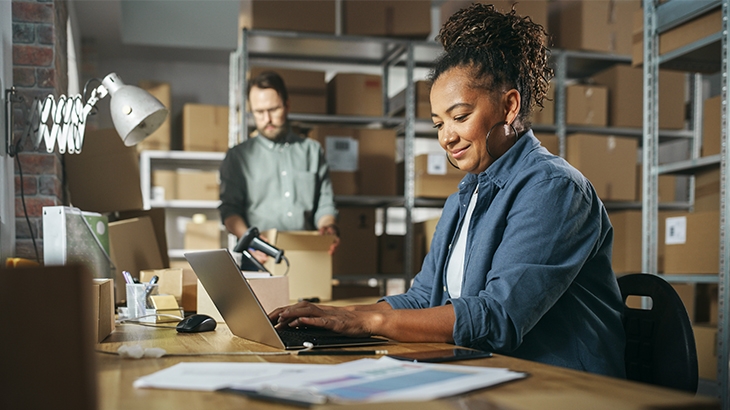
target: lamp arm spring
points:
(64, 121)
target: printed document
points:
(360, 381)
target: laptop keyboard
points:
(297, 337)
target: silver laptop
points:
(243, 314)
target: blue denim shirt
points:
(538, 282)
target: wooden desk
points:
(547, 387)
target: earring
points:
(451, 163)
(506, 144)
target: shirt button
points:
(283, 173)
(288, 214)
(444, 288)
(286, 194)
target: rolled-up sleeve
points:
(232, 190)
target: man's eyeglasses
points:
(270, 111)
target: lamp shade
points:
(135, 112)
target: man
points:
(277, 179)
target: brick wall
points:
(39, 69)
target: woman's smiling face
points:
(463, 114)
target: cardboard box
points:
(391, 253)
(706, 304)
(272, 292)
(428, 228)
(307, 89)
(164, 185)
(205, 127)
(692, 243)
(551, 142)
(667, 186)
(170, 281)
(50, 363)
(625, 86)
(422, 97)
(157, 215)
(102, 299)
(290, 15)
(391, 18)
(160, 139)
(707, 190)
(355, 94)
(204, 235)
(711, 125)
(627, 238)
(680, 36)
(197, 185)
(706, 343)
(374, 152)
(434, 177)
(586, 105)
(357, 253)
(105, 177)
(537, 10)
(546, 115)
(344, 183)
(133, 248)
(189, 299)
(596, 25)
(608, 162)
(310, 264)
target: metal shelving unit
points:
(706, 55)
(322, 51)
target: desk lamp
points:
(135, 114)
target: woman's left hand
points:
(338, 319)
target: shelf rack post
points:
(410, 168)
(723, 347)
(650, 146)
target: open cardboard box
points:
(310, 264)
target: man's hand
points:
(333, 230)
(260, 256)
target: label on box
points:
(436, 164)
(676, 230)
(341, 153)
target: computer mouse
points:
(196, 323)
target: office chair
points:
(660, 344)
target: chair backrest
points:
(660, 344)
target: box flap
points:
(303, 241)
(133, 248)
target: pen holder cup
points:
(138, 298)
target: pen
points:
(148, 290)
(341, 352)
(127, 277)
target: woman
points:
(520, 262)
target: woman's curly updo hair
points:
(505, 51)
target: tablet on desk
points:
(442, 355)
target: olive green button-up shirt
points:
(283, 185)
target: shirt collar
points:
(289, 138)
(501, 169)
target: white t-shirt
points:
(455, 268)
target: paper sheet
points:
(214, 376)
(365, 380)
